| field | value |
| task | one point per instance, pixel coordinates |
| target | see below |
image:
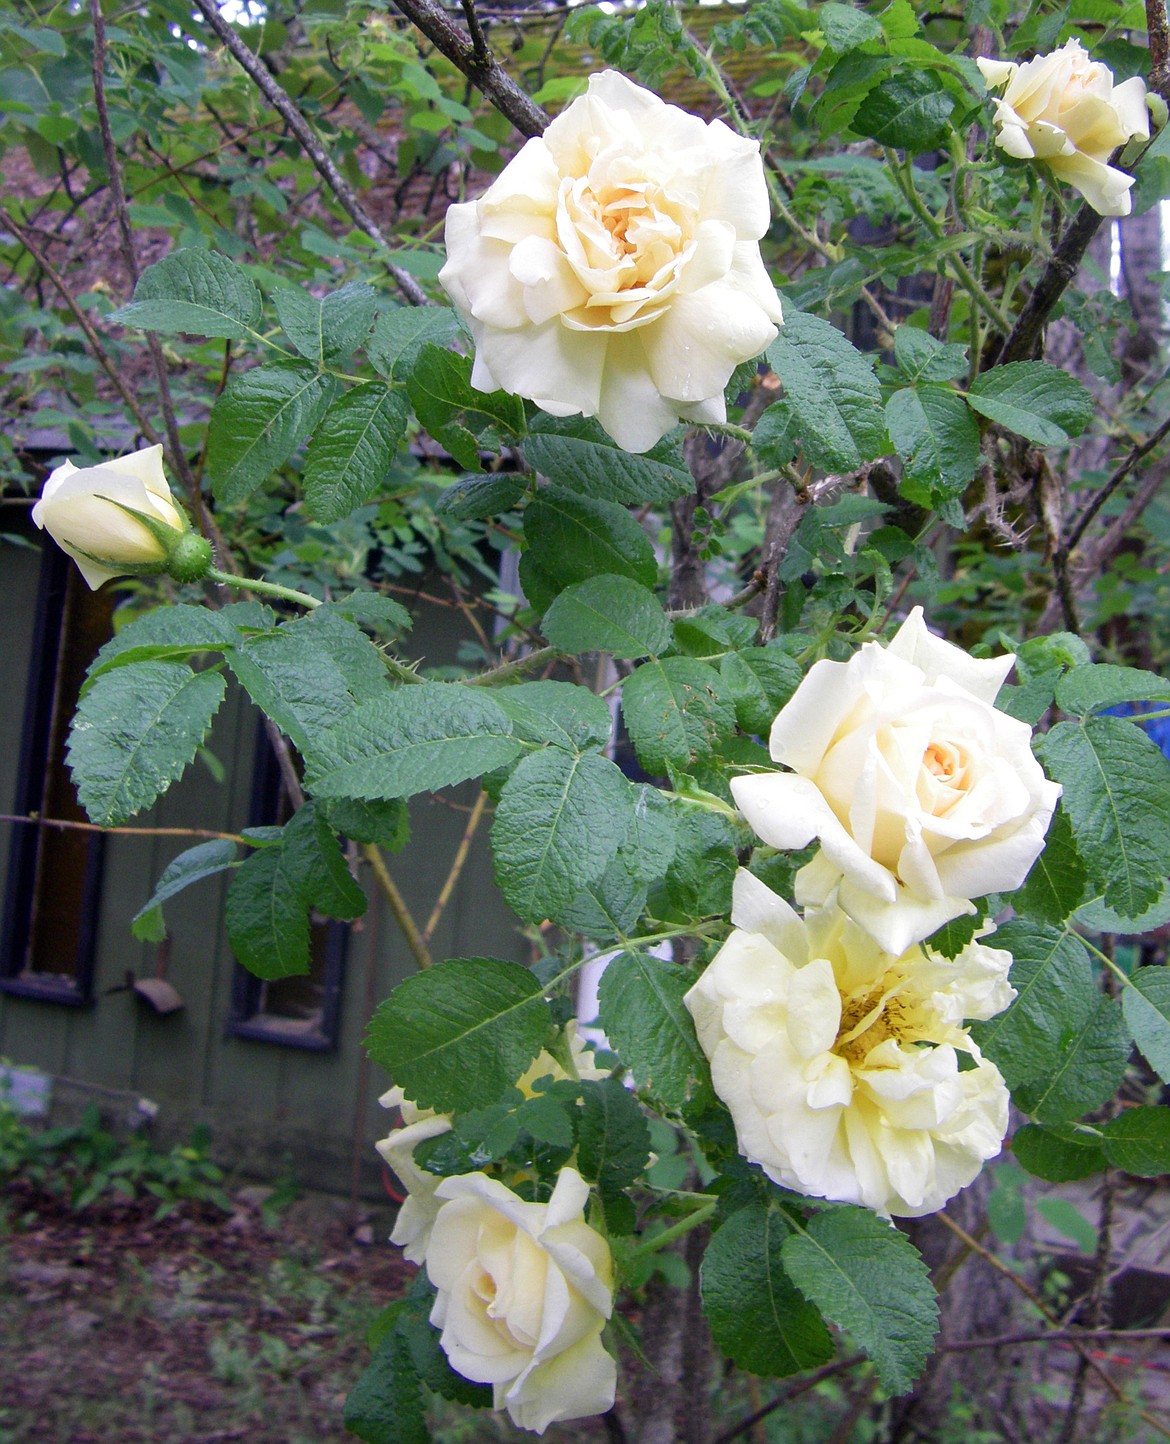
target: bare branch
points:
(475, 61)
(1159, 33)
(284, 105)
(175, 452)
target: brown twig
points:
(62, 823)
(281, 102)
(397, 904)
(1038, 1303)
(478, 64)
(1051, 1336)
(1102, 495)
(175, 452)
(456, 867)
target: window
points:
(54, 874)
(304, 1011)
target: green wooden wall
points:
(270, 1107)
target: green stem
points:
(266, 589)
(726, 428)
(511, 669)
(684, 1226)
(1105, 958)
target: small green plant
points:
(86, 1163)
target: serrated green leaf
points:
(1138, 1141)
(699, 881)
(573, 537)
(933, 431)
(868, 1278)
(613, 1137)
(386, 824)
(197, 291)
(950, 940)
(834, 395)
(1056, 884)
(472, 498)
(1093, 688)
(135, 731)
(312, 858)
(299, 685)
(371, 609)
(1033, 399)
(326, 328)
(1055, 996)
(258, 422)
(575, 452)
(385, 1406)
(411, 739)
(1146, 1005)
(459, 1034)
(558, 824)
(1086, 1072)
(920, 357)
(357, 658)
(557, 712)
(910, 111)
(353, 449)
(1058, 1155)
(166, 634)
(452, 410)
(267, 920)
(205, 859)
(757, 682)
(651, 840)
(845, 28)
(431, 1366)
(675, 712)
(609, 906)
(1095, 915)
(401, 333)
(646, 1022)
(1117, 797)
(758, 1317)
(607, 614)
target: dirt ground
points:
(202, 1328)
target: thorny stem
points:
(1056, 275)
(280, 101)
(538, 658)
(266, 589)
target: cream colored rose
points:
(1065, 110)
(923, 795)
(613, 269)
(81, 509)
(839, 1063)
(412, 1227)
(524, 1290)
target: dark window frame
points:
(246, 1016)
(57, 575)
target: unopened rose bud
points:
(119, 519)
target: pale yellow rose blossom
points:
(840, 1064)
(81, 509)
(922, 794)
(1064, 109)
(523, 1293)
(412, 1227)
(613, 269)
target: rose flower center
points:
(866, 1021)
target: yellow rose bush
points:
(613, 269)
(922, 794)
(840, 1063)
(523, 1291)
(1065, 110)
